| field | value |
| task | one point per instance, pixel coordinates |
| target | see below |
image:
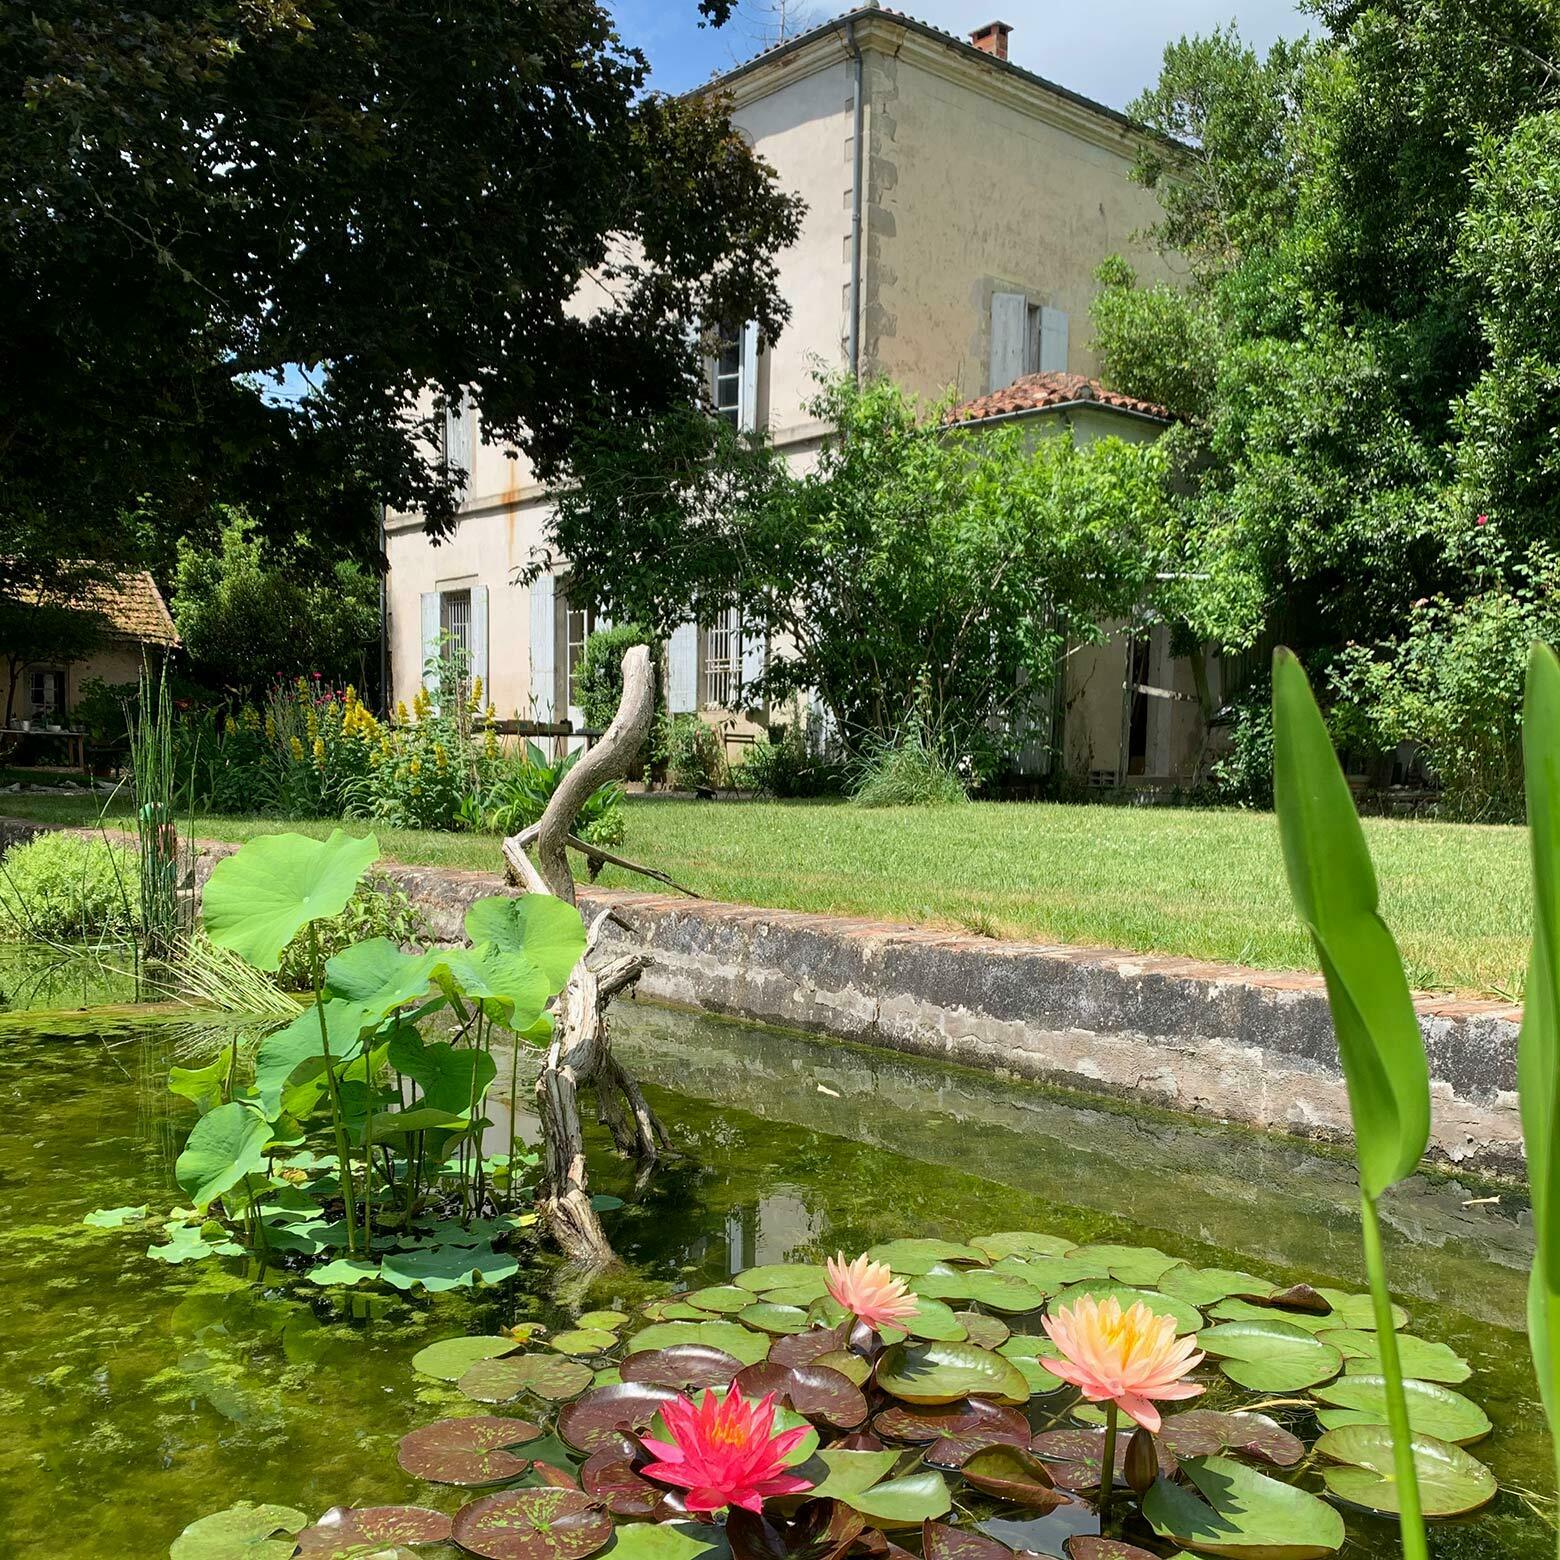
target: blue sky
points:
(1108, 50)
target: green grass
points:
(1207, 885)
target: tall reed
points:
(152, 787)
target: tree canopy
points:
(241, 241)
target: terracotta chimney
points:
(992, 39)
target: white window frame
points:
(720, 654)
(38, 675)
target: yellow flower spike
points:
(297, 750)
(319, 752)
(400, 711)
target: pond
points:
(137, 1396)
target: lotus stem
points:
(1108, 1464)
(1411, 1520)
(343, 1150)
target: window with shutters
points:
(455, 638)
(580, 625)
(723, 659)
(726, 376)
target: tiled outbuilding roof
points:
(132, 607)
(1049, 392)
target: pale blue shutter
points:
(1009, 331)
(747, 385)
(754, 644)
(1053, 341)
(543, 648)
(479, 638)
(458, 441)
(428, 675)
(682, 669)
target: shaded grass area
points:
(1202, 884)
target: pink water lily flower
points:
(1128, 1358)
(869, 1291)
(724, 1452)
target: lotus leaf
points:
(548, 931)
(1021, 1243)
(731, 1337)
(551, 1377)
(946, 1372)
(684, 1366)
(920, 1256)
(1433, 1410)
(770, 1318)
(584, 1340)
(225, 1145)
(952, 1432)
(284, 1051)
(1451, 1481)
(114, 1218)
(1200, 1432)
(1242, 1514)
(605, 1414)
(356, 1530)
(818, 1394)
(724, 1298)
(447, 1267)
(1207, 1286)
(940, 1541)
(450, 1358)
(1187, 1318)
(1271, 1356)
(907, 1501)
(204, 1086)
(1012, 1474)
(1419, 1357)
(536, 1524)
(467, 1451)
(243, 1532)
(449, 1077)
(344, 1270)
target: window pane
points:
(723, 659)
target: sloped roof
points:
(132, 607)
(1050, 392)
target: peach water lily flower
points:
(724, 1452)
(1128, 1358)
(869, 1291)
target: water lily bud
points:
(1142, 1466)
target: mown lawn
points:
(1199, 883)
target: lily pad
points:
(985, 1332)
(667, 1541)
(114, 1218)
(550, 1377)
(724, 1298)
(344, 1270)
(730, 1337)
(1433, 1410)
(818, 1394)
(805, 1347)
(953, 1432)
(447, 1267)
(467, 1451)
(907, 1501)
(1006, 1292)
(851, 1366)
(920, 1256)
(1077, 1457)
(1187, 1318)
(1271, 1356)
(1201, 1432)
(362, 1529)
(1012, 1474)
(610, 1320)
(1237, 1310)
(770, 1318)
(609, 1476)
(450, 1358)
(942, 1541)
(683, 1366)
(243, 1532)
(782, 1275)
(1420, 1358)
(1090, 1546)
(1130, 1264)
(1021, 1243)
(584, 1340)
(1241, 1513)
(605, 1414)
(536, 1524)
(1451, 1481)
(947, 1372)
(1358, 1311)
(1207, 1286)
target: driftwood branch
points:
(581, 1051)
(596, 853)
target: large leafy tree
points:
(249, 248)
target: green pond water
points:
(135, 1396)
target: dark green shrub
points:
(1243, 775)
(692, 751)
(781, 766)
(598, 686)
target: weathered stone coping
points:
(1209, 1040)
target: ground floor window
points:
(723, 659)
(580, 625)
(48, 691)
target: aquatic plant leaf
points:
(1451, 1481)
(379, 976)
(1422, 1358)
(770, 1318)
(684, 1366)
(1270, 1356)
(450, 1358)
(610, 1320)
(985, 1332)
(608, 1475)
(997, 1291)
(508, 987)
(818, 1394)
(1078, 1266)
(1201, 1432)
(943, 1541)
(547, 931)
(449, 1077)
(1207, 1286)
(1239, 1310)
(1039, 1379)
(1333, 885)
(1012, 1474)
(952, 1432)
(1021, 1243)
(730, 1337)
(447, 1267)
(259, 898)
(805, 1347)
(1187, 1318)
(820, 1530)
(359, 1529)
(721, 1298)
(1433, 1410)
(849, 1472)
(467, 1451)
(344, 1270)
(667, 1541)
(605, 1414)
(284, 1051)
(224, 1146)
(1076, 1457)
(917, 1257)
(536, 1524)
(1232, 1510)
(907, 1501)
(1357, 1311)
(551, 1377)
(114, 1218)
(243, 1532)
(1134, 1265)
(584, 1340)
(945, 1372)
(202, 1085)
(781, 1275)
(1090, 1546)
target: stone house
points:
(957, 207)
